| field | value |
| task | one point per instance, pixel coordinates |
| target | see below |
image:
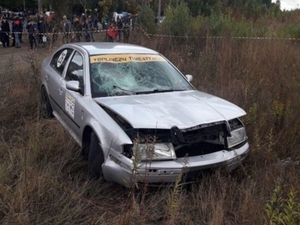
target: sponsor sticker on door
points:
(70, 105)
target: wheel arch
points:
(46, 110)
(86, 138)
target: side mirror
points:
(73, 85)
(189, 77)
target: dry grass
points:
(43, 179)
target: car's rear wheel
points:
(46, 109)
(95, 156)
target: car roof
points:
(96, 48)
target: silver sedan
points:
(137, 117)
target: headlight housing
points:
(155, 151)
(238, 133)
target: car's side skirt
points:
(74, 136)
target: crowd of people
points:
(43, 29)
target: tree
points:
(177, 20)
(18, 5)
(147, 18)
(105, 6)
(204, 7)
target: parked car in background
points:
(136, 117)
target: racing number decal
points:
(70, 105)
(61, 58)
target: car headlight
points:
(237, 137)
(156, 151)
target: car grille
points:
(199, 140)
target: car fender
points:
(111, 138)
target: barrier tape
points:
(145, 33)
(224, 37)
(51, 33)
(161, 35)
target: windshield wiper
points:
(159, 91)
(124, 90)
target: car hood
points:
(164, 110)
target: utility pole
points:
(24, 5)
(39, 5)
(159, 11)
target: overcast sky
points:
(289, 4)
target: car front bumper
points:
(117, 168)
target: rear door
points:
(55, 76)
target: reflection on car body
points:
(126, 104)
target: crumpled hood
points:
(164, 110)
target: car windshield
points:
(133, 74)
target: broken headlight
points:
(238, 133)
(155, 151)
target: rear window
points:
(60, 59)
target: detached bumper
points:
(118, 168)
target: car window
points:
(60, 59)
(134, 74)
(75, 69)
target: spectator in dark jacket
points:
(126, 33)
(77, 29)
(5, 30)
(66, 29)
(120, 27)
(41, 26)
(31, 31)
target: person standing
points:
(120, 27)
(66, 29)
(90, 22)
(21, 17)
(41, 26)
(126, 33)
(112, 32)
(31, 31)
(85, 28)
(5, 30)
(17, 29)
(77, 29)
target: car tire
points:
(46, 109)
(95, 157)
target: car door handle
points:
(60, 91)
(47, 77)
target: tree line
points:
(249, 8)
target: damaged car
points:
(137, 118)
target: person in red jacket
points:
(112, 32)
(17, 29)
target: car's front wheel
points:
(95, 156)
(46, 109)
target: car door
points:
(74, 100)
(55, 76)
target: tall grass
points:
(43, 179)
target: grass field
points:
(43, 179)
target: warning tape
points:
(223, 37)
(148, 35)
(54, 32)
(217, 37)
